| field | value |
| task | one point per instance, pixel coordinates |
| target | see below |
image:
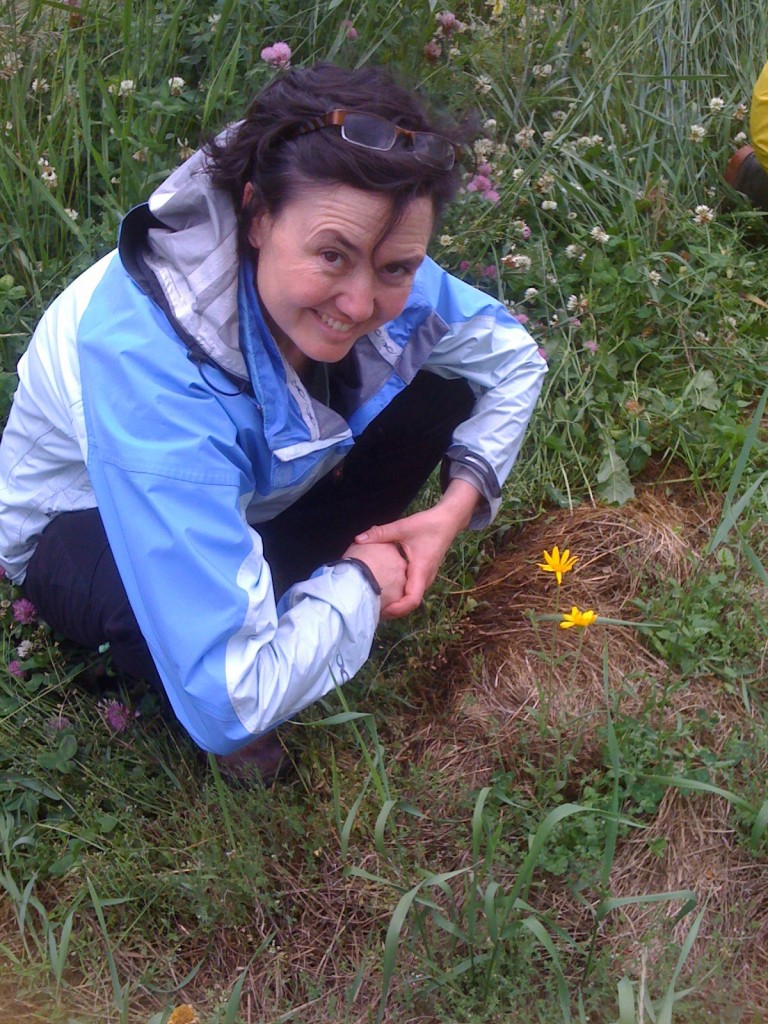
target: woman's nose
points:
(357, 299)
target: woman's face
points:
(323, 280)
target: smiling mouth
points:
(335, 325)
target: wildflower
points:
(576, 618)
(126, 87)
(517, 173)
(118, 716)
(24, 611)
(15, 669)
(542, 70)
(716, 104)
(483, 149)
(740, 112)
(654, 277)
(490, 124)
(545, 183)
(697, 133)
(599, 234)
(557, 563)
(484, 84)
(524, 137)
(530, 294)
(588, 141)
(24, 649)
(447, 22)
(446, 241)
(433, 51)
(558, 116)
(141, 155)
(516, 261)
(549, 204)
(40, 85)
(184, 1014)
(575, 252)
(49, 176)
(349, 29)
(497, 8)
(633, 407)
(591, 345)
(185, 150)
(176, 84)
(703, 214)
(72, 214)
(278, 55)
(213, 21)
(490, 271)
(522, 229)
(740, 138)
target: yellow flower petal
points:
(578, 618)
(557, 563)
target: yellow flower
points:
(576, 618)
(184, 1014)
(557, 563)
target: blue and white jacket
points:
(153, 390)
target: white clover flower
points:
(484, 84)
(490, 124)
(517, 173)
(572, 303)
(599, 234)
(545, 183)
(654, 277)
(542, 70)
(716, 104)
(558, 116)
(549, 204)
(176, 84)
(24, 649)
(731, 321)
(40, 85)
(126, 87)
(114, 180)
(43, 162)
(141, 155)
(530, 294)
(213, 21)
(446, 241)
(50, 179)
(72, 214)
(516, 261)
(8, 127)
(524, 137)
(483, 149)
(575, 252)
(548, 135)
(703, 214)
(697, 133)
(740, 112)
(185, 150)
(740, 138)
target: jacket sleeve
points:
(484, 344)
(758, 118)
(172, 485)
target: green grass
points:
(377, 885)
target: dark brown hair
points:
(264, 151)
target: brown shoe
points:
(745, 174)
(264, 758)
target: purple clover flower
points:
(278, 55)
(119, 716)
(14, 667)
(24, 611)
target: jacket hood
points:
(181, 248)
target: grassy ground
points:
(498, 820)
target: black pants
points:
(73, 581)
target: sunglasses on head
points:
(373, 132)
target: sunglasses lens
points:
(369, 131)
(434, 151)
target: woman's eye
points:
(334, 259)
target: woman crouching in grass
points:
(219, 426)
